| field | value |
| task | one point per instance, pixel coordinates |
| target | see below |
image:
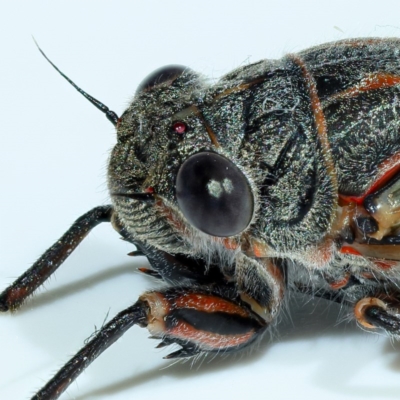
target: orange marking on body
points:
(385, 264)
(277, 275)
(358, 42)
(388, 168)
(386, 171)
(340, 284)
(211, 135)
(176, 223)
(210, 132)
(230, 244)
(347, 200)
(275, 271)
(320, 123)
(363, 42)
(239, 88)
(370, 82)
(319, 256)
(150, 189)
(257, 249)
(350, 250)
(325, 250)
(208, 303)
(213, 340)
(368, 275)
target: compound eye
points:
(214, 195)
(161, 75)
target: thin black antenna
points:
(111, 115)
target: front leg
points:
(199, 319)
(261, 283)
(13, 296)
(176, 269)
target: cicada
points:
(284, 175)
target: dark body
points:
(362, 115)
(304, 130)
(284, 175)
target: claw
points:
(165, 342)
(136, 253)
(150, 272)
(182, 353)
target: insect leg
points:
(199, 319)
(174, 269)
(13, 296)
(261, 283)
(179, 268)
(374, 304)
(379, 312)
(105, 337)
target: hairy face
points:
(198, 168)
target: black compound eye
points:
(161, 75)
(214, 195)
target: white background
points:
(54, 149)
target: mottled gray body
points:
(364, 129)
(267, 126)
(282, 174)
(304, 130)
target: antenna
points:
(111, 115)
